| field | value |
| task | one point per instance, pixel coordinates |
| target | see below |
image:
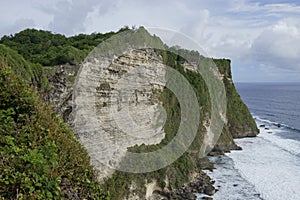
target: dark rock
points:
(209, 190)
(190, 196)
(267, 129)
(59, 95)
(220, 148)
(215, 153)
(262, 126)
(201, 183)
(248, 133)
(193, 184)
(205, 163)
(238, 148)
(234, 185)
(207, 198)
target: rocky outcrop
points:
(107, 129)
(59, 95)
(144, 105)
(199, 182)
(123, 98)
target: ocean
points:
(268, 167)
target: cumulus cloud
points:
(279, 45)
(261, 35)
(196, 27)
(69, 16)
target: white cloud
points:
(69, 16)
(282, 8)
(258, 34)
(196, 27)
(279, 45)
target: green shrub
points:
(33, 73)
(40, 157)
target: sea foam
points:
(268, 167)
(271, 163)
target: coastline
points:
(229, 182)
(240, 124)
(266, 168)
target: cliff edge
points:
(183, 177)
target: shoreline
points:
(268, 165)
(229, 182)
(201, 182)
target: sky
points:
(262, 38)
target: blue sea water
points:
(278, 103)
(268, 167)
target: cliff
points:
(40, 157)
(171, 181)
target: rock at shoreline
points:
(207, 198)
(201, 184)
(209, 190)
(222, 148)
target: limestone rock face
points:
(117, 106)
(59, 96)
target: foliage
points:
(48, 49)
(239, 120)
(33, 73)
(40, 157)
(178, 171)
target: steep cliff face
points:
(180, 179)
(59, 94)
(240, 123)
(41, 158)
(143, 104)
(115, 92)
